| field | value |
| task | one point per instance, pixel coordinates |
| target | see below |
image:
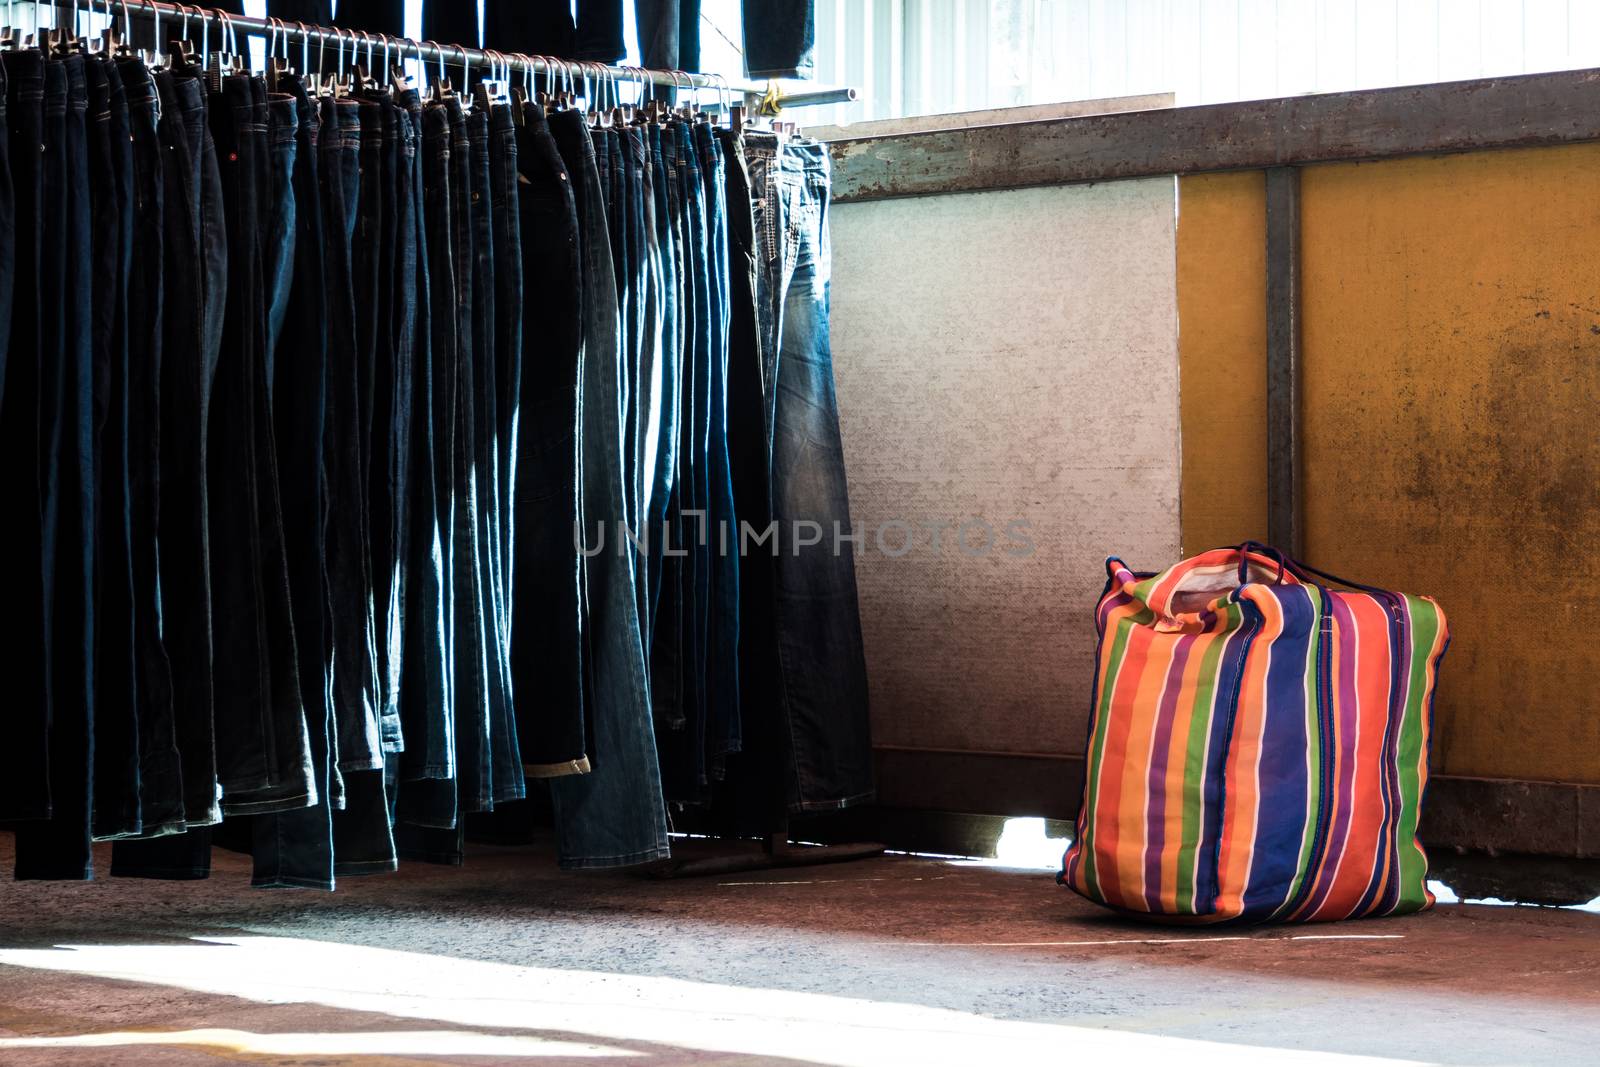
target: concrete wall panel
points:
(1004, 356)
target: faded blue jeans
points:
(822, 683)
(614, 815)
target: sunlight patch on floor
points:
(599, 1007)
(347, 1043)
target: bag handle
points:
(1298, 569)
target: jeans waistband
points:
(55, 89)
(341, 124)
(283, 118)
(26, 69)
(77, 84)
(500, 119)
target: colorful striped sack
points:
(1258, 744)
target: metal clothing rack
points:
(195, 25)
(187, 20)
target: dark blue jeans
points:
(351, 136)
(722, 669)
(500, 772)
(822, 691)
(263, 748)
(116, 725)
(59, 848)
(25, 792)
(428, 787)
(295, 848)
(666, 257)
(354, 670)
(778, 38)
(426, 709)
(505, 269)
(194, 278)
(699, 536)
(669, 33)
(614, 815)
(160, 772)
(546, 653)
(669, 627)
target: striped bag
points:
(1258, 744)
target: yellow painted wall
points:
(1452, 412)
(1451, 324)
(1222, 344)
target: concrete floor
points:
(889, 960)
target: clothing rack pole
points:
(430, 52)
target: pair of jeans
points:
(160, 771)
(723, 713)
(673, 584)
(426, 709)
(644, 271)
(505, 385)
(192, 315)
(669, 33)
(755, 801)
(116, 810)
(778, 38)
(428, 789)
(353, 667)
(533, 27)
(295, 848)
(372, 256)
(263, 746)
(546, 652)
(25, 789)
(469, 626)
(60, 847)
(698, 534)
(360, 829)
(193, 293)
(822, 686)
(500, 776)
(614, 815)
(667, 377)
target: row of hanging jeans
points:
(377, 453)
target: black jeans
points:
(778, 38)
(116, 727)
(59, 848)
(546, 653)
(160, 770)
(25, 790)
(263, 748)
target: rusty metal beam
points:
(1501, 814)
(1524, 111)
(1284, 527)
